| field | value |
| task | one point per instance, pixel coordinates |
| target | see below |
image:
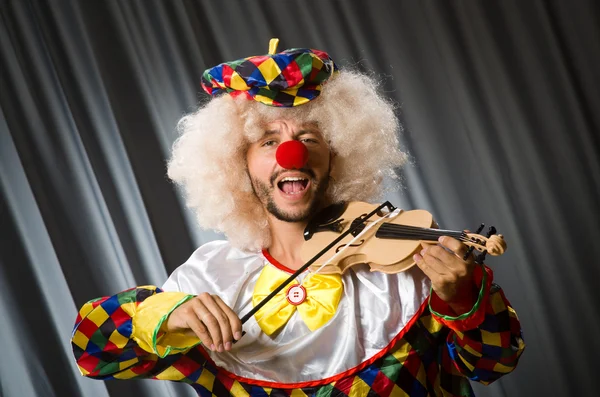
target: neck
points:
(286, 242)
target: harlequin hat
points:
(289, 78)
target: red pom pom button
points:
(296, 294)
(291, 155)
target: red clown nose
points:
(291, 155)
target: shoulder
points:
(219, 250)
(213, 267)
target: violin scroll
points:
(494, 245)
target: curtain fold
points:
(500, 106)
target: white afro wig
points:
(209, 158)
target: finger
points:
(234, 319)
(198, 327)
(224, 318)
(459, 248)
(453, 266)
(453, 245)
(443, 279)
(453, 260)
(221, 330)
(209, 321)
(430, 271)
(440, 259)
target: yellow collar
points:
(316, 299)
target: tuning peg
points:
(481, 257)
(471, 248)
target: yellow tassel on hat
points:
(273, 43)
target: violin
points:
(345, 234)
(388, 245)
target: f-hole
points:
(358, 244)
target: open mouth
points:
(292, 185)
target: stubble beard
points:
(264, 192)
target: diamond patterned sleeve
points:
(120, 336)
(492, 348)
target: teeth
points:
(291, 179)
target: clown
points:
(286, 135)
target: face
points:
(291, 195)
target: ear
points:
(332, 162)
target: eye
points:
(309, 140)
(268, 143)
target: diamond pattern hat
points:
(285, 79)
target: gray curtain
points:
(501, 108)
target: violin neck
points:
(393, 231)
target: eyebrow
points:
(299, 133)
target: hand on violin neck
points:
(451, 277)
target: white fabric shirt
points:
(374, 308)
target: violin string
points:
(391, 226)
(421, 233)
(412, 231)
(419, 236)
(430, 237)
(390, 232)
(463, 239)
